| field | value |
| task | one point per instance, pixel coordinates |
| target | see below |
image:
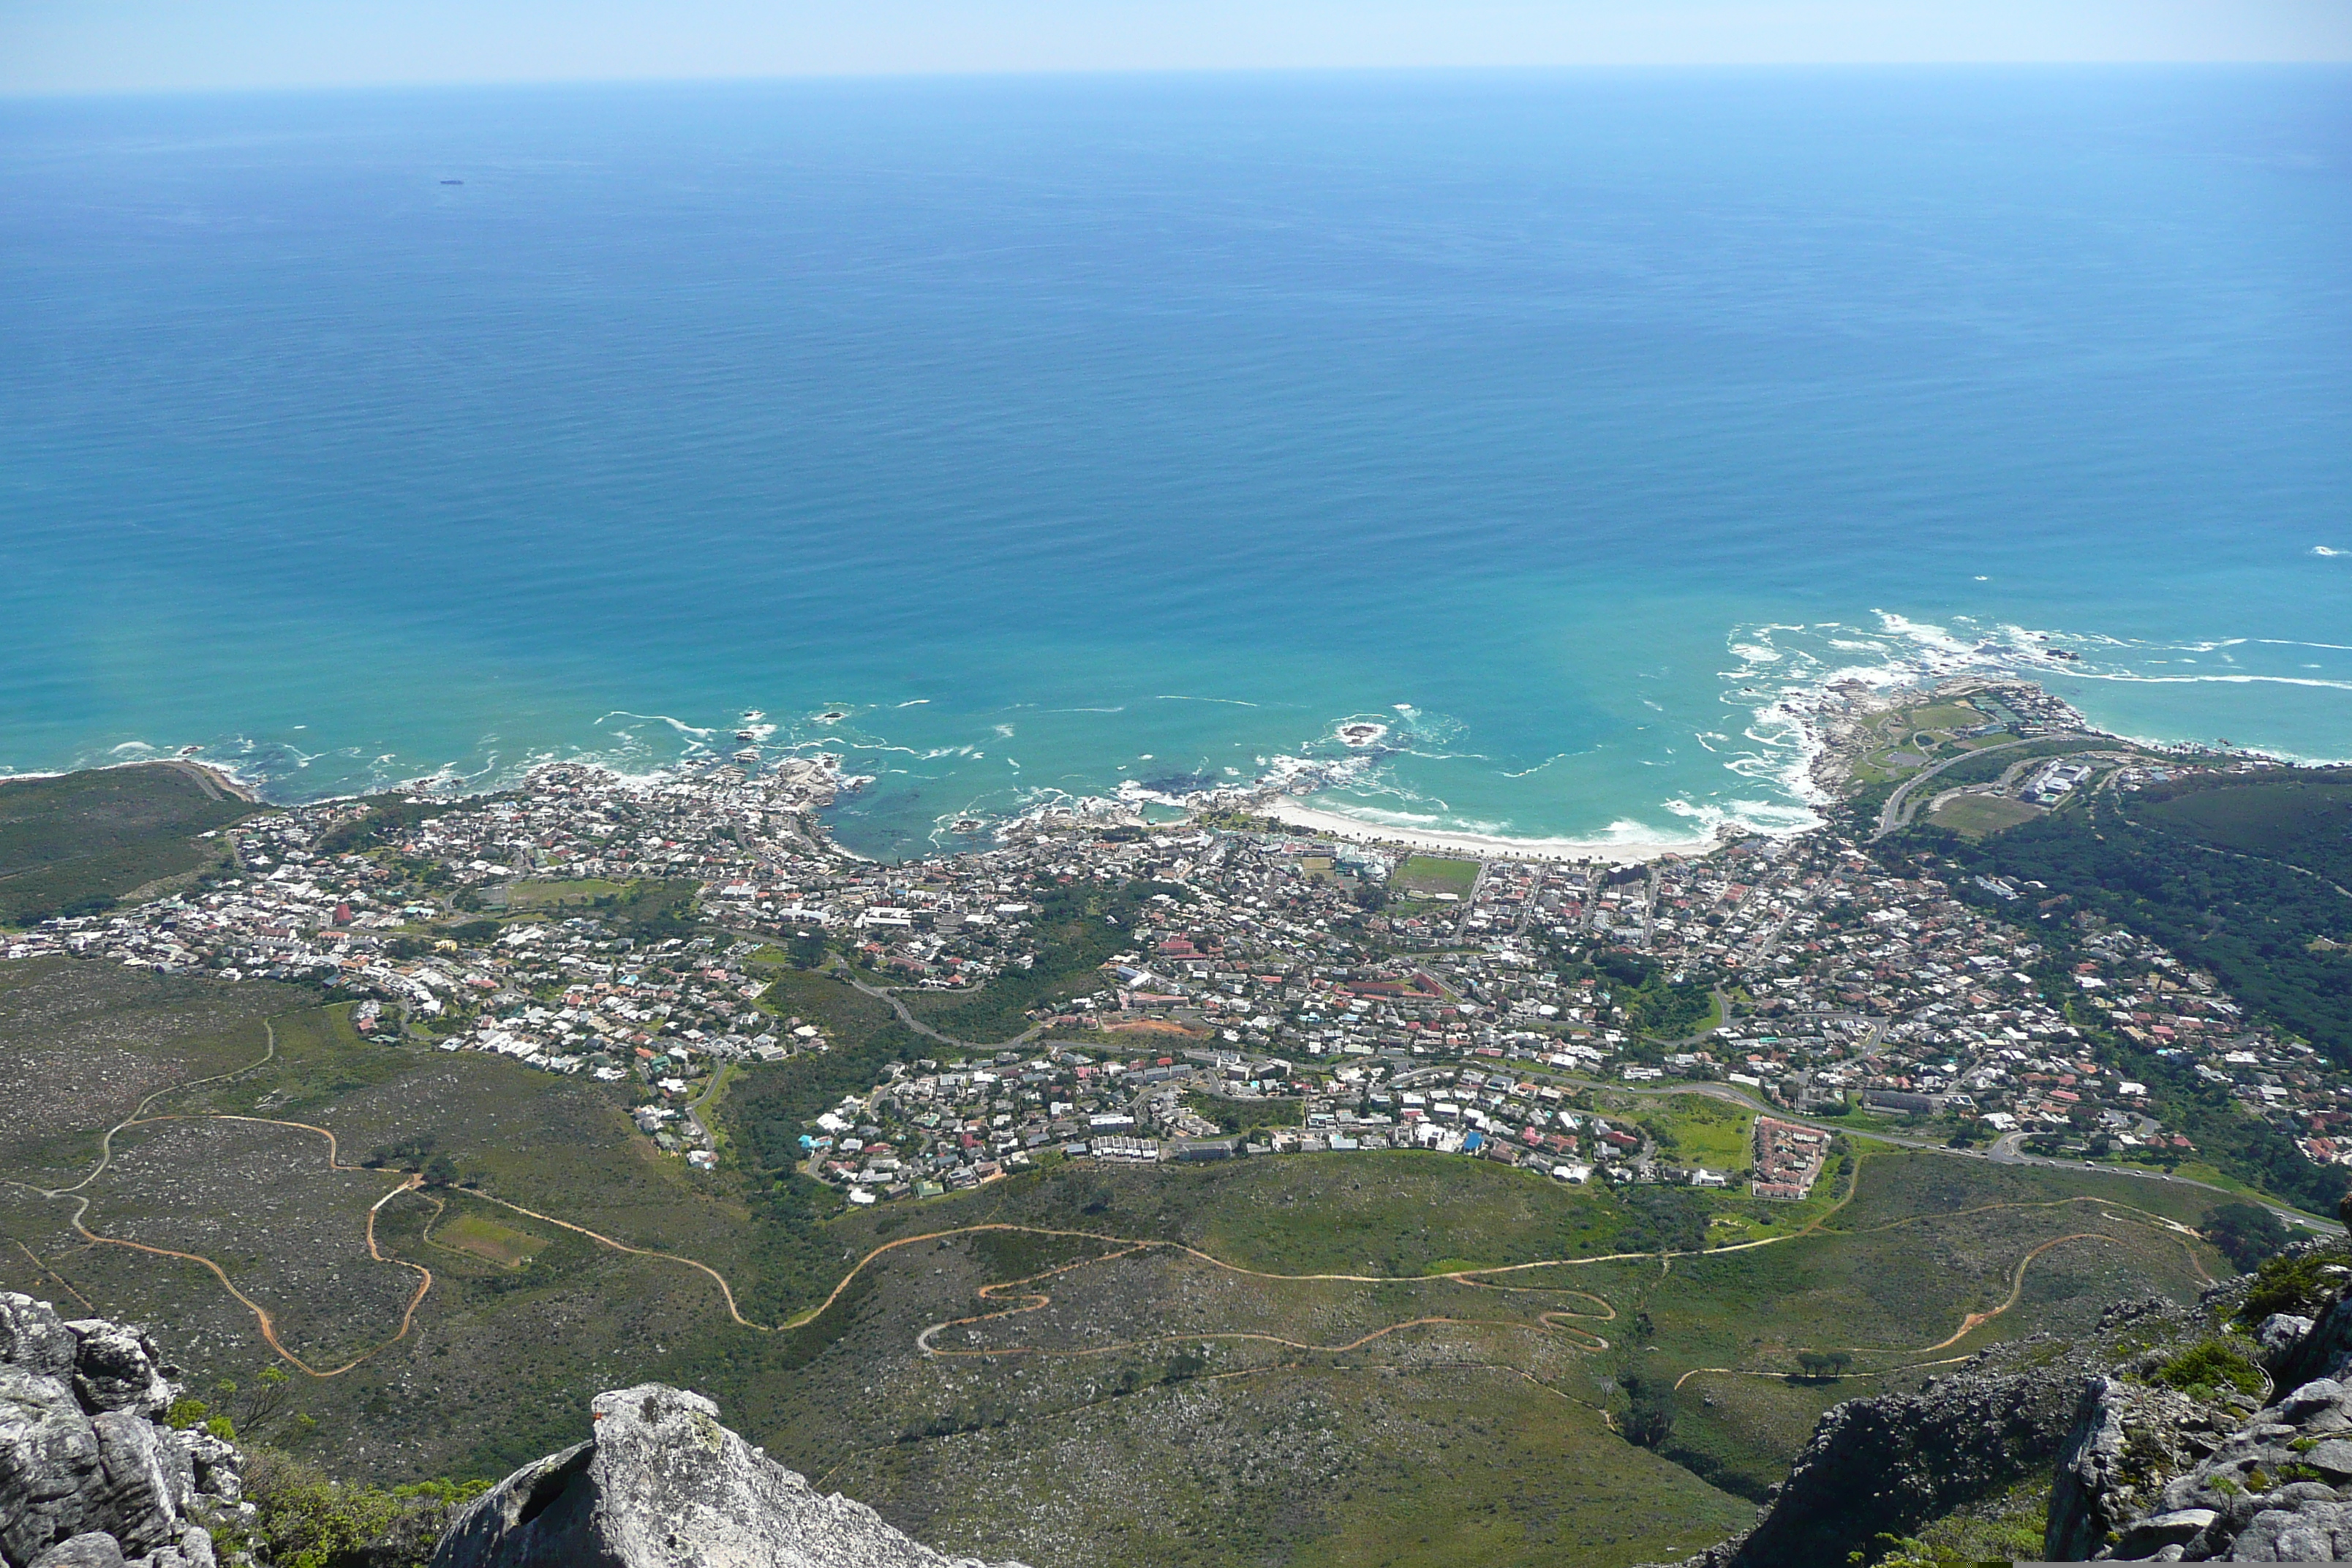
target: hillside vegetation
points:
(75, 844)
(1171, 1392)
(2243, 874)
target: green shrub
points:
(2246, 1234)
(304, 1519)
(2207, 1369)
(187, 1412)
(2289, 1285)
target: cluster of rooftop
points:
(1312, 994)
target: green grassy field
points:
(75, 844)
(1245, 1115)
(1426, 874)
(487, 1238)
(560, 894)
(1976, 815)
(1704, 1130)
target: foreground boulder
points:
(89, 1477)
(1882, 1464)
(663, 1485)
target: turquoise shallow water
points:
(1069, 432)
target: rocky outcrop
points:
(89, 1477)
(661, 1484)
(2320, 1348)
(2277, 1489)
(2128, 1439)
(1885, 1463)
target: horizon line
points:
(1075, 73)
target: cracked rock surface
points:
(89, 1477)
(661, 1484)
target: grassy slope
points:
(1491, 1442)
(78, 842)
(1481, 1443)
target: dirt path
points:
(1558, 1319)
(718, 1278)
(261, 1314)
(106, 1140)
(1974, 1320)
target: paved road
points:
(907, 1018)
(1890, 815)
(2005, 1150)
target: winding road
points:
(1892, 816)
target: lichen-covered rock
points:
(2126, 1441)
(663, 1485)
(195, 1551)
(34, 1337)
(2320, 1350)
(87, 1474)
(115, 1368)
(214, 1465)
(2276, 1488)
(95, 1549)
(49, 1462)
(145, 1482)
(2279, 1333)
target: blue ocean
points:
(1023, 438)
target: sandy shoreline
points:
(1618, 852)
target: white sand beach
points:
(1622, 852)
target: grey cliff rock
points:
(96, 1550)
(88, 1475)
(32, 1337)
(663, 1485)
(1884, 1463)
(2148, 1475)
(2126, 1440)
(2274, 1489)
(115, 1368)
(2319, 1351)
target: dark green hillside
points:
(2301, 818)
(2242, 875)
(74, 844)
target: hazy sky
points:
(51, 45)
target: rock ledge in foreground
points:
(663, 1485)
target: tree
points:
(441, 1172)
(1650, 1412)
(2246, 1232)
(1824, 1363)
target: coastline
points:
(210, 776)
(1618, 852)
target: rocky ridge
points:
(662, 1485)
(2140, 1479)
(90, 1474)
(2139, 1468)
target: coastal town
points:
(1273, 992)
